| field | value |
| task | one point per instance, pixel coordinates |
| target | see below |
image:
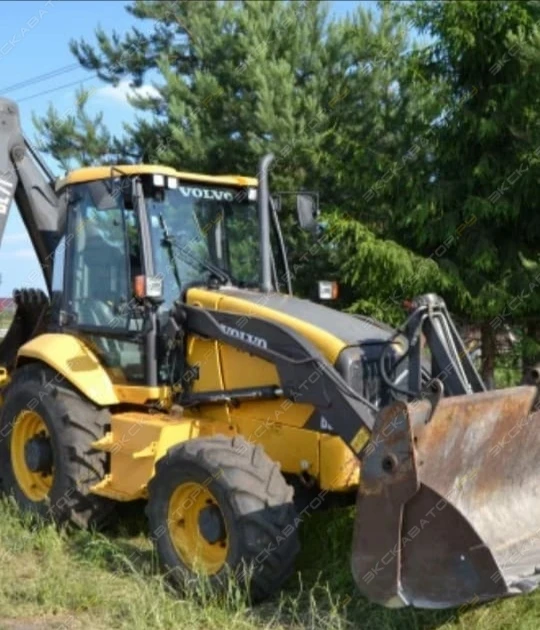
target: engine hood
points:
(349, 328)
(328, 329)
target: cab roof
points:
(92, 173)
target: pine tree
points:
(376, 133)
(238, 79)
(425, 156)
(473, 194)
(75, 138)
(235, 80)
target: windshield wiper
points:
(189, 257)
(166, 240)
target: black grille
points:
(360, 368)
(372, 384)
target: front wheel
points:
(219, 506)
(47, 461)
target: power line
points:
(40, 78)
(60, 87)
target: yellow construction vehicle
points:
(170, 362)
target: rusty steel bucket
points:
(448, 508)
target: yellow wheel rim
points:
(35, 485)
(192, 506)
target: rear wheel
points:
(47, 462)
(220, 506)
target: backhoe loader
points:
(169, 361)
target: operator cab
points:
(136, 239)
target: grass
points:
(54, 579)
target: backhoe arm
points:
(25, 179)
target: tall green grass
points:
(86, 580)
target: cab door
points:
(103, 255)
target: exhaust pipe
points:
(264, 224)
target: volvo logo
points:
(244, 336)
(206, 193)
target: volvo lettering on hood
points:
(244, 336)
(215, 194)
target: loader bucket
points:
(448, 508)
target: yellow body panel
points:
(297, 450)
(138, 439)
(204, 364)
(142, 394)
(239, 367)
(135, 442)
(328, 344)
(271, 412)
(72, 358)
(75, 361)
(339, 468)
(219, 180)
(92, 173)
(203, 360)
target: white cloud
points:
(120, 92)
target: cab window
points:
(105, 255)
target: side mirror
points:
(307, 210)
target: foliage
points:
(484, 147)
(366, 260)
(426, 152)
(233, 80)
(75, 138)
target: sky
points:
(34, 40)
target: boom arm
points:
(25, 179)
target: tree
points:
(458, 155)
(484, 154)
(76, 138)
(426, 156)
(374, 117)
(235, 80)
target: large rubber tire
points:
(256, 504)
(73, 423)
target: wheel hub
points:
(198, 528)
(211, 524)
(38, 454)
(32, 458)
